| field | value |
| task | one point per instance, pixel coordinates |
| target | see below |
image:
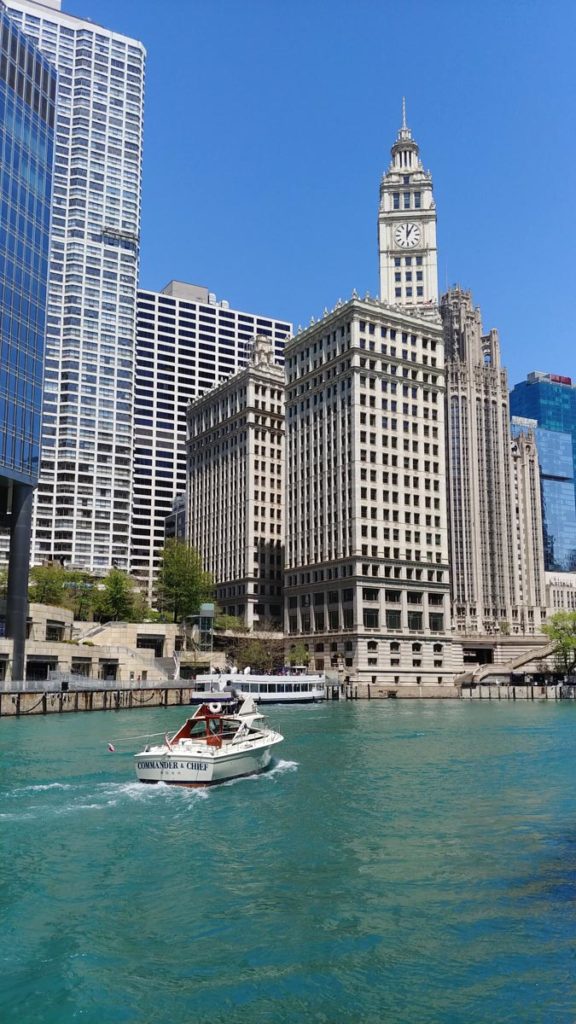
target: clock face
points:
(407, 235)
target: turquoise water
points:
(402, 862)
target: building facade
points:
(367, 580)
(495, 530)
(187, 343)
(367, 585)
(407, 228)
(236, 487)
(557, 494)
(530, 579)
(550, 401)
(27, 112)
(82, 511)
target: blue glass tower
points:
(550, 399)
(27, 108)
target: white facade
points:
(407, 228)
(236, 487)
(367, 583)
(82, 508)
(496, 550)
(187, 343)
(530, 582)
(560, 592)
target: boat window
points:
(254, 687)
(198, 728)
(264, 688)
(288, 687)
(297, 687)
(272, 688)
(230, 728)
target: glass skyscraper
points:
(82, 511)
(27, 110)
(550, 399)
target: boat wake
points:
(44, 799)
(277, 768)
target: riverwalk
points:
(22, 702)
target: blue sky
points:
(269, 123)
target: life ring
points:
(215, 708)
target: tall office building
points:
(82, 512)
(27, 110)
(482, 547)
(367, 582)
(235, 487)
(496, 575)
(187, 343)
(557, 494)
(530, 579)
(550, 399)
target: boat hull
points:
(178, 769)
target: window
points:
(392, 619)
(371, 618)
(415, 620)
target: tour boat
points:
(288, 688)
(221, 741)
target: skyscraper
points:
(82, 512)
(187, 342)
(557, 494)
(27, 106)
(550, 399)
(484, 496)
(367, 549)
(236, 487)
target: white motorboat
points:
(287, 688)
(221, 741)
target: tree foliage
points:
(299, 654)
(118, 600)
(47, 585)
(230, 622)
(259, 655)
(183, 585)
(561, 629)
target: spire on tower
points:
(405, 134)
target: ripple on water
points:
(409, 864)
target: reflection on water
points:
(400, 862)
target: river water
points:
(402, 862)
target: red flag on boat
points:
(111, 748)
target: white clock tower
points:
(407, 228)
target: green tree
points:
(117, 600)
(182, 582)
(47, 585)
(299, 654)
(561, 630)
(79, 593)
(231, 622)
(260, 655)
